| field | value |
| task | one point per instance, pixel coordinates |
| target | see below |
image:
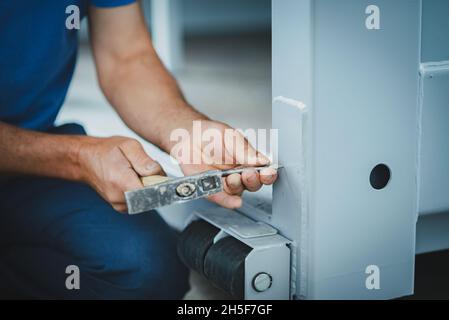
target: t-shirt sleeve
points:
(111, 3)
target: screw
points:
(186, 189)
(262, 282)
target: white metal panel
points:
(167, 32)
(361, 88)
(435, 37)
(434, 172)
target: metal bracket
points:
(267, 266)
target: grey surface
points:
(292, 78)
(236, 224)
(365, 113)
(435, 34)
(274, 261)
(434, 170)
(270, 252)
(205, 17)
(361, 88)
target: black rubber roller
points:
(194, 243)
(224, 266)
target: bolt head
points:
(186, 190)
(262, 282)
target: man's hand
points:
(110, 165)
(232, 151)
(114, 165)
(150, 102)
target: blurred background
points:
(220, 52)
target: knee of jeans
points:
(143, 269)
(168, 280)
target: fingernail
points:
(268, 172)
(252, 175)
(234, 181)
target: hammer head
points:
(174, 191)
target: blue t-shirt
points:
(37, 58)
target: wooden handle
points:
(152, 180)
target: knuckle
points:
(117, 140)
(270, 179)
(143, 160)
(113, 181)
(112, 197)
(132, 143)
(234, 182)
(236, 189)
(124, 144)
(120, 208)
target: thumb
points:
(143, 164)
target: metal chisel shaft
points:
(180, 190)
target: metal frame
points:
(268, 247)
(361, 90)
(167, 32)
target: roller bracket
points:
(262, 270)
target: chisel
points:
(162, 191)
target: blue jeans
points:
(49, 224)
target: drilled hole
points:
(380, 177)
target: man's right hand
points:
(113, 165)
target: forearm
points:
(148, 98)
(133, 78)
(33, 153)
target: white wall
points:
(223, 16)
(217, 16)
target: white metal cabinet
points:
(361, 89)
(434, 165)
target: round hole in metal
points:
(380, 176)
